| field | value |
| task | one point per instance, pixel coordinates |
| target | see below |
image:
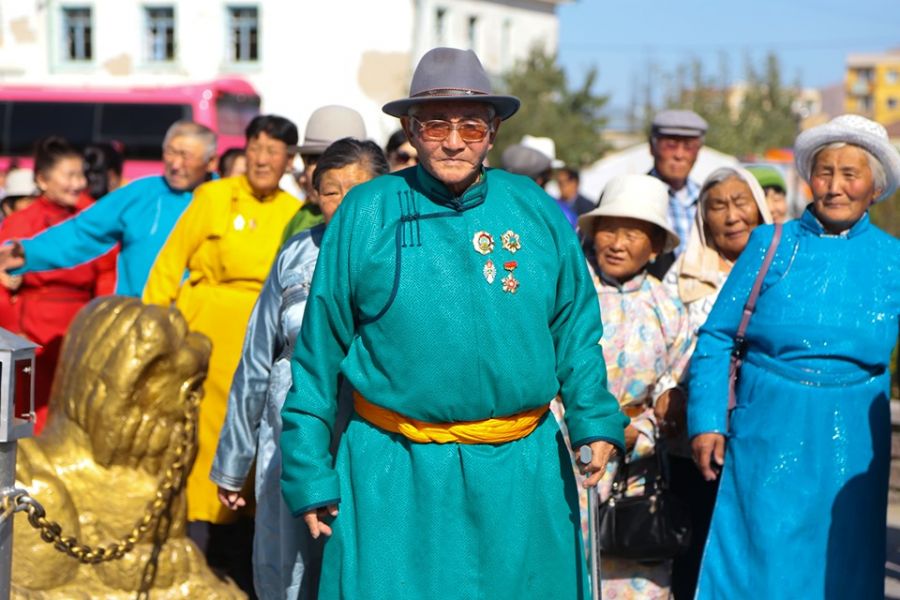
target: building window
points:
(160, 33)
(865, 104)
(472, 33)
(892, 103)
(243, 29)
(890, 76)
(440, 26)
(78, 30)
(866, 74)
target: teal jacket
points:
(402, 306)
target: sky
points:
(627, 40)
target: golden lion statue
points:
(117, 412)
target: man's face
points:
(674, 157)
(568, 185)
(452, 160)
(185, 164)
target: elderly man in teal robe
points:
(455, 300)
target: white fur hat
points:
(639, 197)
(855, 130)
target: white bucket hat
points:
(545, 146)
(855, 130)
(639, 197)
(20, 182)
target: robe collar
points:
(811, 223)
(632, 285)
(245, 187)
(437, 192)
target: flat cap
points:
(523, 160)
(678, 122)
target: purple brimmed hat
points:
(450, 74)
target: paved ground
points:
(892, 568)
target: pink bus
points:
(136, 117)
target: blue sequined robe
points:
(802, 503)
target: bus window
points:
(31, 121)
(234, 112)
(4, 111)
(140, 127)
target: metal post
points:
(7, 482)
(593, 504)
(585, 455)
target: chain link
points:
(173, 480)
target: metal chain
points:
(173, 480)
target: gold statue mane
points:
(116, 415)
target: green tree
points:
(886, 214)
(571, 117)
(745, 119)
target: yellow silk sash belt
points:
(489, 431)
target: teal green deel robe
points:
(404, 307)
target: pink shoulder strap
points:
(749, 307)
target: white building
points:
(298, 54)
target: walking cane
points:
(585, 455)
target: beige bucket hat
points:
(328, 124)
(639, 197)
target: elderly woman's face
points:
(624, 245)
(267, 159)
(335, 183)
(731, 214)
(842, 186)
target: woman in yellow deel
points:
(227, 239)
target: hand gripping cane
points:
(584, 456)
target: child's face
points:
(625, 245)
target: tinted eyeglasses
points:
(436, 130)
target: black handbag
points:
(651, 527)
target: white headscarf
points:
(698, 267)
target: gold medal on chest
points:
(490, 271)
(483, 242)
(511, 241)
(510, 283)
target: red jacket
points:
(42, 308)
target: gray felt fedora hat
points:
(328, 124)
(450, 74)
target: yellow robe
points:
(227, 239)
